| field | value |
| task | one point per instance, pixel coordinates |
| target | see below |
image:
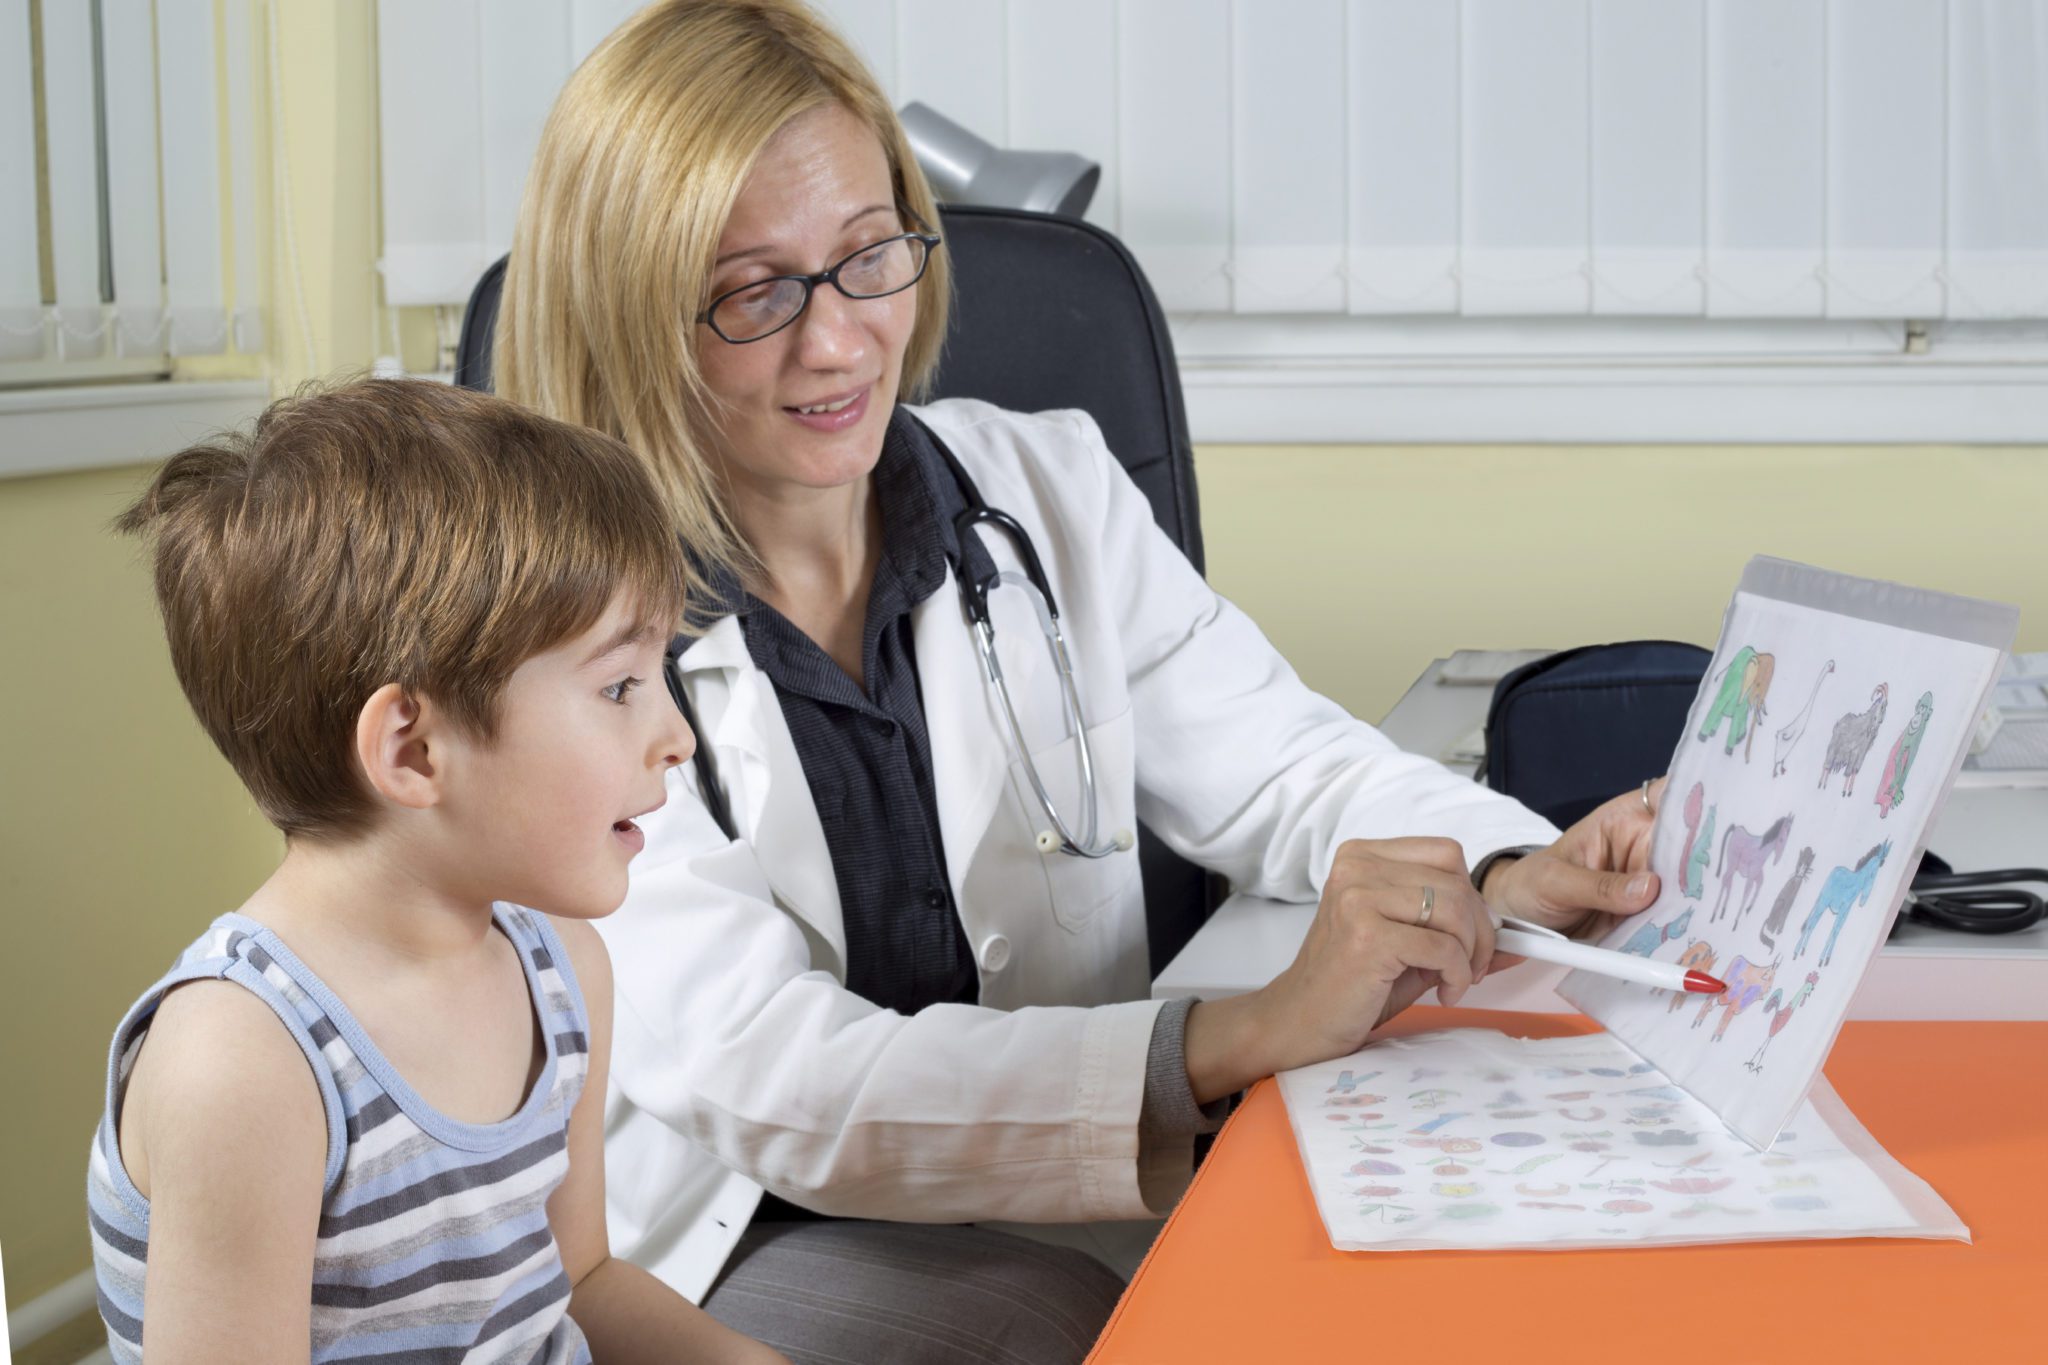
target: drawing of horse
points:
(1743, 855)
(1844, 890)
(1698, 957)
(1781, 1017)
(1891, 788)
(1775, 923)
(1745, 682)
(1851, 741)
(1650, 937)
(1790, 735)
(1747, 982)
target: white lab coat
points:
(741, 1060)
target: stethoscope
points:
(1056, 835)
(1991, 902)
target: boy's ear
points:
(392, 747)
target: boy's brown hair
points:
(386, 531)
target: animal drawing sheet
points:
(1470, 1138)
(1825, 736)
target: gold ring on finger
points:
(1428, 907)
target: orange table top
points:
(1244, 1269)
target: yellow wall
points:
(122, 833)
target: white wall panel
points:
(524, 52)
(1403, 145)
(21, 288)
(870, 25)
(1649, 156)
(1887, 134)
(591, 22)
(1766, 157)
(430, 109)
(1062, 85)
(71, 134)
(1173, 113)
(1997, 197)
(1525, 143)
(188, 89)
(1288, 200)
(251, 253)
(950, 56)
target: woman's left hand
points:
(1599, 867)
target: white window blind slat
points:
(1062, 87)
(1288, 136)
(195, 287)
(950, 56)
(524, 47)
(134, 196)
(1649, 157)
(1997, 200)
(1525, 189)
(1766, 158)
(1175, 147)
(71, 137)
(250, 252)
(1887, 133)
(21, 280)
(430, 106)
(1403, 168)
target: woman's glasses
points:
(761, 309)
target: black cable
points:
(1989, 902)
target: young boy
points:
(362, 1116)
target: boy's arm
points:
(627, 1315)
(231, 1138)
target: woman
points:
(915, 1014)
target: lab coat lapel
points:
(770, 796)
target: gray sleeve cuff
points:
(1169, 1109)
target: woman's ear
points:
(392, 745)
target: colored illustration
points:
(1844, 890)
(1891, 788)
(1774, 923)
(1743, 855)
(1697, 957)
(1744, 684)
(1850, 743)
(1648, 938)
(1747, 983)
(1699, 842)
(1789, 735)
(1781, 1015)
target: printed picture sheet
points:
(1469, 1138)
(1825, 736)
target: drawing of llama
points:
(1782, 910)
(1745, 682)
(1844, 890)
(1851, 742)
(1789, 735)
(1891, 788)
(1743, 855)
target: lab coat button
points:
(995, 953)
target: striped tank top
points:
(433, 1242)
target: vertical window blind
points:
(128, 160)
(1742, 159)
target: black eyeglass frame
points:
(830, 275)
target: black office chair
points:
(1048, 312)
(1572, 729)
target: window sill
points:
(93, 426)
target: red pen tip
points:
(1699, 983)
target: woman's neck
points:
(818, 549)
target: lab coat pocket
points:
(1078, 887)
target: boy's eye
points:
(618, 690)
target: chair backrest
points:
(1572, 729)
(1048, 312)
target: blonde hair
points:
(639, 165)
(386, 531)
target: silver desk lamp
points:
(964, 169)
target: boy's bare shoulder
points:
(587, 958)
(220, 1082)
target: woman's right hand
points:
(1369, 955)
